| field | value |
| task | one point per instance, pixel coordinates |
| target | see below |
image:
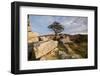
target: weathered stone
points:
(76, 56)
(29, 29)
(66, 40)
(51, 55)
(44, 38)
(42, 48)
(33, 37)
(32, 34)
(64, 55)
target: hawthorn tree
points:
(56, 27)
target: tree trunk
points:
(55, 36)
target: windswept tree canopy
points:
(56, 27)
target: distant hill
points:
(76, 37)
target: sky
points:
(72, 24)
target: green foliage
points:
(56, 27)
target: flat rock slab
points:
(42, 48)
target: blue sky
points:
(72, 24)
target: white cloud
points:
(72, 24)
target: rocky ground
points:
(67, 47)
